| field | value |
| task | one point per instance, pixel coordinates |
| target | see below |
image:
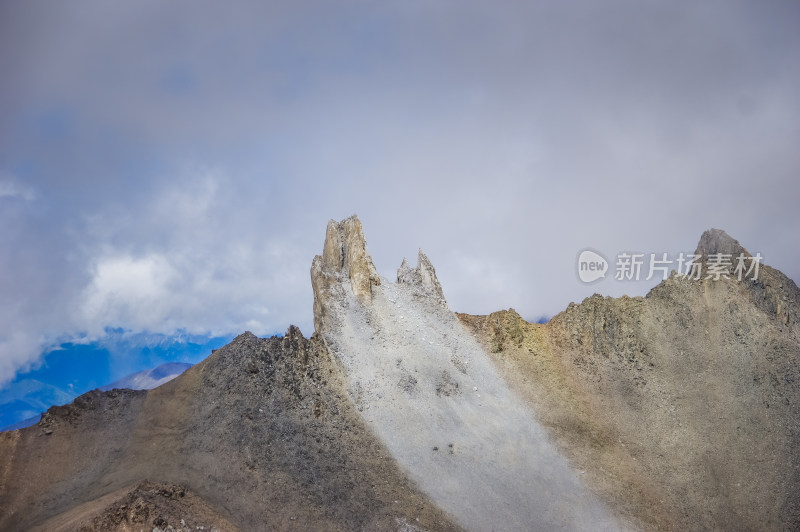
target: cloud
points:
(169, 168)
(17, 351)
(123, 286)
(169, 265)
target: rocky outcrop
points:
(344, 266)
(115, 402)
(423, 277)
(718, 241)
(345, 270)
(771, 290)
(156, 507)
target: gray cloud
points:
(167, 168)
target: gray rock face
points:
(423, 276)
(344, 264)
(345, 267)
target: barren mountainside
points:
(676, 411)
(683, 406)
(261, 434)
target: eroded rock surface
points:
(343, 265)
(423, 278)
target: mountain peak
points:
(718, 241)
(344, 264)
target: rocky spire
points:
(344, 264)
(424, 276)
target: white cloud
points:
(484, 136)
(130, 291)
(185, 260)
(18, 350)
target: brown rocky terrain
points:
(259, 436)
(676, 411)
(682, 406)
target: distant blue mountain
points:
(73, 368)
(150, 378)
(25, 423)
(29, 398)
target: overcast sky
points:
(171, 166)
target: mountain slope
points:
(681, 406)
(261, 432)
